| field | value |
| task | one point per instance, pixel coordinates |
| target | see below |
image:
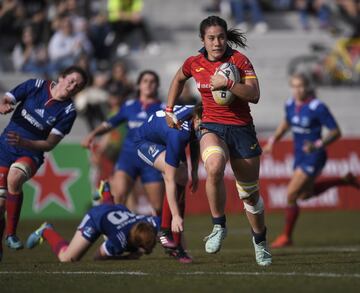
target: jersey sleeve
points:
(325, 117)
(21, 91)
(64, 125)
(112, 250)
(246, 69)
(118, 118)
(186, 68)
(175, 147)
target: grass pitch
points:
(325, 258)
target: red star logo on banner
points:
(52, 186)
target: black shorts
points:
(240, 140)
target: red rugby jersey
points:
(199, 67)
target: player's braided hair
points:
(234, 36)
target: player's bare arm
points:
(175, 90)
(279, 133)
(100, 130)
(171, 193)
(248, 91)
(52, 140)
(332, 136)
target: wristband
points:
(230, 84)
(169, 109)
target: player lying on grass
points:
(128, 235)
(164, 148)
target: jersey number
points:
(117, 217)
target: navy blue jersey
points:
(307, 121)
(156, 131)
(135, 114)
(37, 113)
(115, 222)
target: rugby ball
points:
(225, 97)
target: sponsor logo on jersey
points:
(252, 147)
(31, 119)
(199, 69)
(202, 85)
(40, 112)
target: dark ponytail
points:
(234, 36)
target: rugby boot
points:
(13, 242)
(36, 238)
(262, 254)
(281, 241)
(213, 241)
(180, 255)
(166, 239)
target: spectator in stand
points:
(350, 13)
(29, 56)
(11, 23)
(239, 11)
(125, 17)
(119, 78)
(35, 13)
(66, 45)
(320, 7)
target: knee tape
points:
(211, 150)
(256, 209)
(246, 189)
(23, 168)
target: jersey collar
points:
(228, 52)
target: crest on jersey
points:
(153, 150)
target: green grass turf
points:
(326, 243)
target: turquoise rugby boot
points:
(36, 238)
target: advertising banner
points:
(62, 187)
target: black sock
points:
(219, 221)
(259, 237)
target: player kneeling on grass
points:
(128, 235)
(164, 149)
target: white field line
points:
(198, 273)
(299, 249)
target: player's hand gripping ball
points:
(228, 70)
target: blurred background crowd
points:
(42, 37)
(113, 40)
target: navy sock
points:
(259, 237)
(219, 221)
